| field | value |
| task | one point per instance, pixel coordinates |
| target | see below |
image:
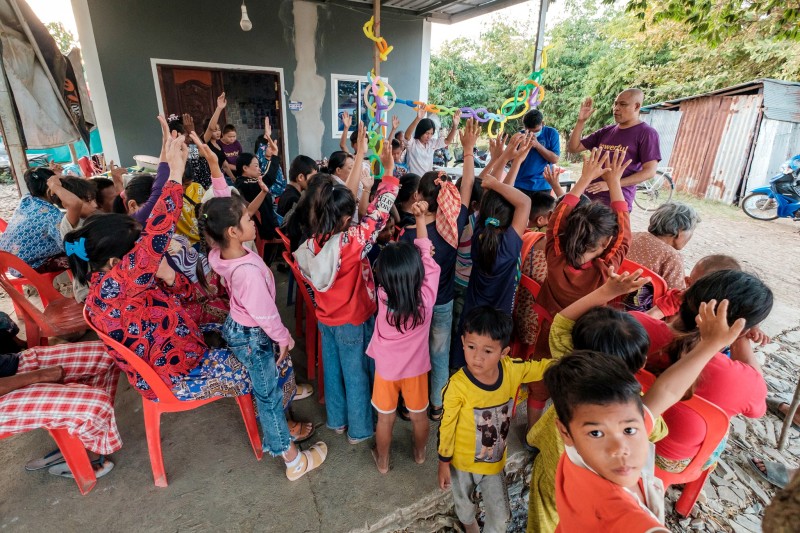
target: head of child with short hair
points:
(106, 194)
(397, 151)
(610, 331)
(302, 169)
(487, 339)
(712, 263)
(135, 194)
(228, 134)
(533, 121)
(588, 231)
(84, 189)
(542, 205)
(399, 272)
(600, 414)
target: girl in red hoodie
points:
(334, 263)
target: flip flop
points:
(304, 390)
(435, 414)
(773, 405)
(301, 437)
(776, 473)
(62, 470)
(51, 459)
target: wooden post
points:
(12, 132)
(376, 28)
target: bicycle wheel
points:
(654, 192)
(760, 206)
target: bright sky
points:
(55, 11)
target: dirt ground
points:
(343, 497)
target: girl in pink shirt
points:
(408, 281)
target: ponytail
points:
(328, 206)
(102, 237)
(495, 218)
(585, 227)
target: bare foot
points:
(784, 408)
(383, 465)
(419, 455)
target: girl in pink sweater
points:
(408, 280)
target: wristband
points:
(469, 155)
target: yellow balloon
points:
(524, 110)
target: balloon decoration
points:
(379, 98)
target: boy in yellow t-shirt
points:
(192, 196)
(474, 428)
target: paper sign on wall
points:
(295, 106)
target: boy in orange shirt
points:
(605, 479)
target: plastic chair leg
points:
(320, 370)
(291, 291)
(77, 459)
(298, 317)
(691, 491)
(251, 425)
(152, 429)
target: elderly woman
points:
(671, 228)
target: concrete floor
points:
(215, 481)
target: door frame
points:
(156, 62)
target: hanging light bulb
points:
(245, 23)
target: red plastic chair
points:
(168, 403)
(659, 285)
(693, 477)
(292, 290)
(75, 454)
(313, 336)
(61, 316)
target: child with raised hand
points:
(471, 454)
(254, 327)
(407, 278)
(334, 263)
(496, 248)
(301, 171)
(448, 210)
(605, 480)
(213, 135)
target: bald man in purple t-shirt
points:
(629, 133)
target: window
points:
(347, 96)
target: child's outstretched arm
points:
(517, 198)
(593, 164)
(616, 166)
(715, 334)
(616, 285)
(551, 174)
(468, 139)
(500, 155)
(395, 125)
(454, 129)
(221, 103)
(518, 155)
(218, 183)
(361, 150)
(418, 210)
(255, 205)
(413, 126)
(347, 121)
(378, 211)
(618, 247)
(69, 201)
(162, 174)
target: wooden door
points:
(190, 90)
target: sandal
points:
(51, 459)
(304, 390)
(776, 473)
(101, 465)
(309, 460)
(773, 405)
(435, 413)
(300, 431)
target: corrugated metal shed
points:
(782, 100)
(733, 153)
(777, 142)
(666, 123)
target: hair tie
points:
(77, 248)
(172, 118)
(491, 221)
(205, 216)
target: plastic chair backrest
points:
(46, 290)
(3, 225)
(529, 238)
(284, 239)
(301, 282)
(159, 388)
(659, 285)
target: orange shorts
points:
(415, 394)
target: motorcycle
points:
(781, 199)
(441, 157)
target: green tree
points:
(63, 37)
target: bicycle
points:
(656, 191)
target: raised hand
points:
(221, 101)
(497, 145)
(419, 209)
(593, 164)
(551, 174)
(586, 110)
(421, 113)
(469, 135)
(262, 185)
(203, 149)
(712, 321)
(176, 155)
(362, 145)
(347, 120)
(512, 146)
(616, 166)
(624, 282)
(164, 130)
(387, 160)
(395, 122)
(188, 122)
(488, 182)
(267, 128)
(456, 118)
(523, 146)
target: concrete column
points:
(309, 86)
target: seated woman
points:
(734, 384)
(32, 233)
(67, 386)
(249, 184)
(136, 298)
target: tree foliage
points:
(63, 37)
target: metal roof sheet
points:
(442, 11)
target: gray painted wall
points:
(128, 34)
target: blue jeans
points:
(439, 344)
(348, 373)
(254, 349)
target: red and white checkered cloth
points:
(83, 404)
(449, 200)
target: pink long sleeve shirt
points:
(405, 354)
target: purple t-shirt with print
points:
(231, 151)
(641, 141)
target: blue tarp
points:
(61, 154)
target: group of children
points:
(415, 280)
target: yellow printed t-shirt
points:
(187, 223)
(477, 417)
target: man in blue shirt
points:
(545, 151)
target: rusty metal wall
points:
(713, 144)
(777, 142)
(666, 123)
(733, 156)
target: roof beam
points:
(483, 9)
(438, 6)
